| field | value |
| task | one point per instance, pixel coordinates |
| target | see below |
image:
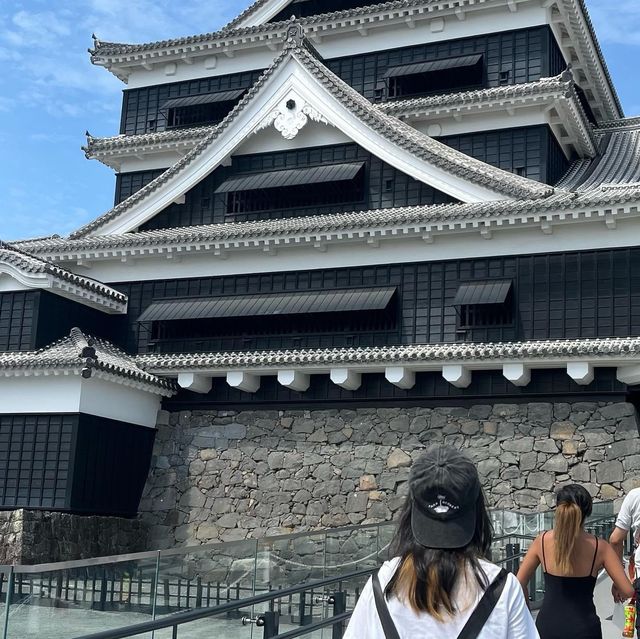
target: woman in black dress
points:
(571, 559)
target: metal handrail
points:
(201, 613)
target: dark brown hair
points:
(574, 505)
(426, 577)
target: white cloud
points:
(619, 24)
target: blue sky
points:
(50, 94)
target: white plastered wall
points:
(72, 394)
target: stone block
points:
(570, 447)
(608, 492)
(527, 498)
(608, 472)
(546, 446)
(541, 480)
(631, 463)
(521, 445)
(623, 448)
(357, 502)
(556, 464)
(540, 412)
(528, 461)
(617, 411)
(480, 411)
(192, 498)
(489, 468)
(490, 428)
(563, 430)
(368, 482)
(506, 410)
(580, 473)
(398, 459)
(595, 438)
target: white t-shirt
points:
(629, 518)
(510, 618)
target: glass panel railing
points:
(6, 588)
(204, 577)
(75, 598)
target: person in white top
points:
(628, 519)
(439, 584)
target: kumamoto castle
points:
(343, 230)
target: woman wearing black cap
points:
(439, 584)
(571, 559)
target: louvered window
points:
(436, 76)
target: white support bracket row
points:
(404, 377)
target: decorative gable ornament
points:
(291, 116)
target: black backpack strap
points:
(483, 610)
(390, 631)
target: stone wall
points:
(31, 537)
(225, 475)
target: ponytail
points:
(567, 528)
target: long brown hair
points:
(426, 577)
(574, 505)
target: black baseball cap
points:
(444, 488)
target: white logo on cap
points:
(442, 506)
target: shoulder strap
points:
(390, 631)
(595, 554)
(544, 560)
(483, 610)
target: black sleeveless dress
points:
(568, 609)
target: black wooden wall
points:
(17, 310)
(561, 295)
(532, 151)
(304, 8)
(36, 453)
(111, 465)
(56, 316)
(528, 54)
(386, 187)
(32, 319)
(141, 107)
(75, 463)
(128, 183)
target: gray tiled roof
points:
(109, 49)
(397, 132)
(617, 164)
(560, 85)
(30, 264)
(622, 348)
(77, 351)
(424, 216)
(191, 135)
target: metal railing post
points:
(271, 620)
(154, 591)
(339, 601)
(7, 604)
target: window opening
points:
(437, 76)
(294, 189)
(484, 304)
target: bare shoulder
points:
(603, 545)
